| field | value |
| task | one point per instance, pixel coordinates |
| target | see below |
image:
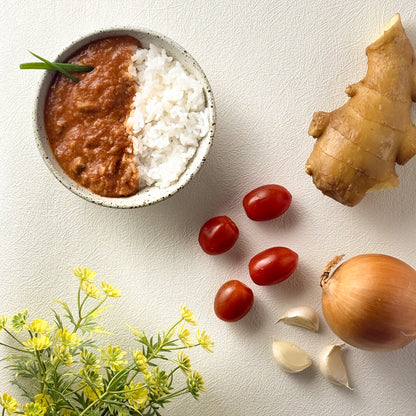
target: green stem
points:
(173, 372)
(183, 347)
(79, 301)
(162, 343)
(127, 390)
(80, 317)
(91, 405)
(63, 397)
(133, 376)
(41, 371)
(73, 391)
(14, 348)
(80, 306)
(108, 391)
(119, 375)
(98, 306)
(176, 394)
(14, 337)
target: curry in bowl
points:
(135, 122)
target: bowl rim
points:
(143, 197)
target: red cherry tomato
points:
(272, 265)
(218, 235)
(267, 202)
(233, 300)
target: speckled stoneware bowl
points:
(148, 195)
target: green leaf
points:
(97, 313)
(56, 67)
(67, 310)
(64, 68)
(58, 320)
(18, 320)
(35, 65)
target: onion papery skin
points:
(369, 301)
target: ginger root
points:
(359, 144)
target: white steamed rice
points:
(168, 117)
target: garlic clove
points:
(290, 357)
(332, 365)
(303, 316)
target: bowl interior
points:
(147, 195)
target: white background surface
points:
(271, 64)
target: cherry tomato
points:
(218, 235)
(233, 301)
(267, 202)
(272, 265)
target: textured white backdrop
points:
(271, 64)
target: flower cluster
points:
(61, 371)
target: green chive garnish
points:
(56, 66)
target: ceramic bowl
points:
(147, 195)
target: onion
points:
(369, 301)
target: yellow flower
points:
(85, 274)
(140, 360)
(68, 412)
(92, 387)
(187, 315)
(137, 395)
(185, 336)
(19, 320)
(111, 291)
(195, 383)
(92, 394)
(39, 326)
(89, 361)
(3, 321)
(42, 399)
(62, 354)
(9, 403)
(90, 290)
(113, 358)
(34, 409)
(149, 379)
(38, 343)
(157, 381)
(204, 340)
(184, 362)
(69, 339)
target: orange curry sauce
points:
(85, 121)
